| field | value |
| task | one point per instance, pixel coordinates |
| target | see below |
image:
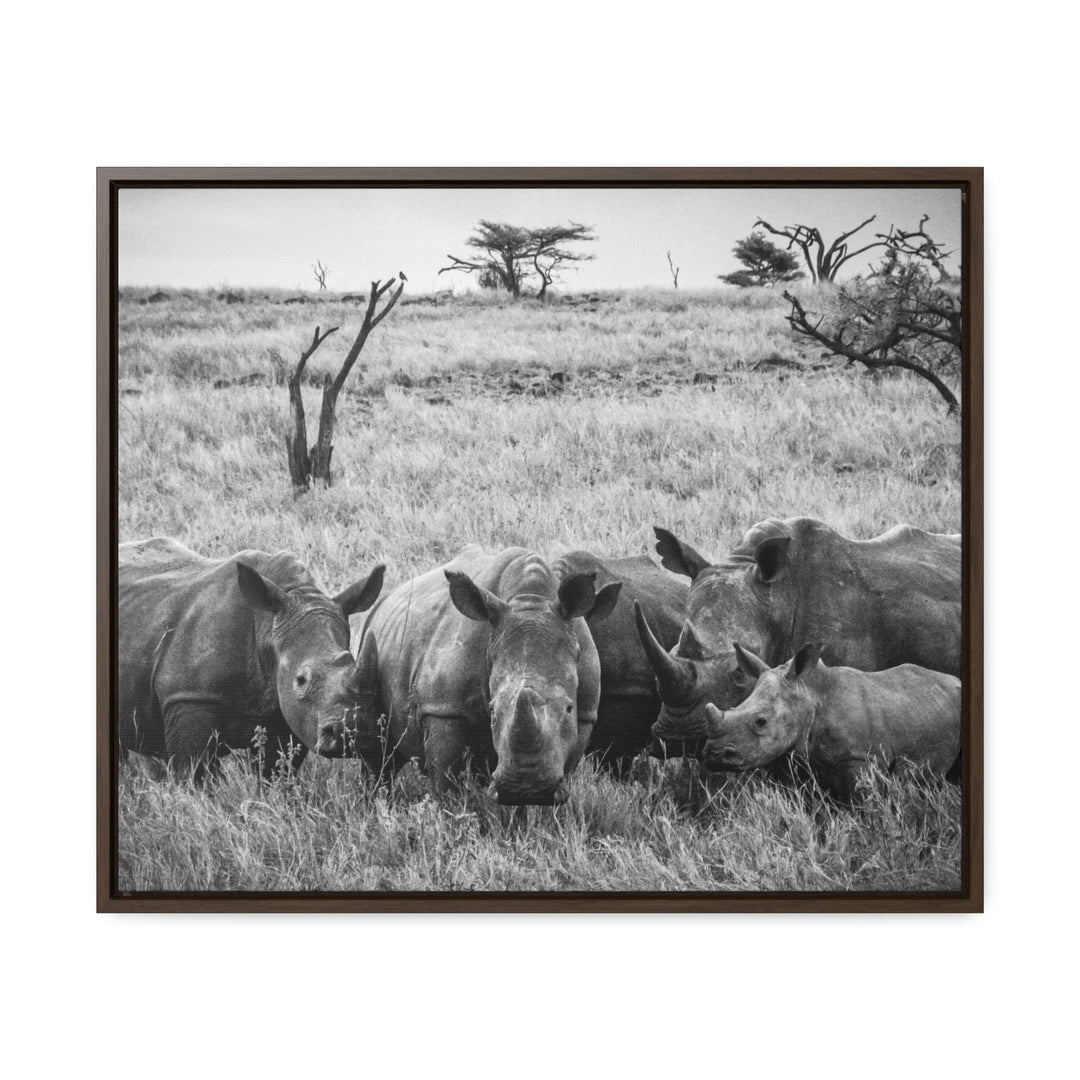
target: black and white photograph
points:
(571, 538)
(560, 516)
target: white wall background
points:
(524, 996)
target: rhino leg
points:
(841, 781)
(445, 750)
(192, 736)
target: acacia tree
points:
(304, 465)
(905, 313)
(822, 260)
(512, 254)
(764, 263)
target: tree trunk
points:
(296, 448)
(510, 277)
(324, 444)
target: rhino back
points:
(877, 603)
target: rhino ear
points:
(258, 591)
(577, 596)
(806, 659)
(750, 662)
(771, 557)
(605, 602)
(474, 601)
(678, 557)
(362, 594)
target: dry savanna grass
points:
(578, 424)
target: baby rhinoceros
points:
(838, 720)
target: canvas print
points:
(582, 539)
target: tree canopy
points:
(764, 263)
(512, 254)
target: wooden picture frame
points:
(969, 182)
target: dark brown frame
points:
(970, 183)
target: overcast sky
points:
(270, 237)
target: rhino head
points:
(740, 599)
(319, 687)
(770, 723)
(534, 653)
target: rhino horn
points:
(525, 732)
(673, 676)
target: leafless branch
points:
(879, 354)
(918, 244)
(822, 261)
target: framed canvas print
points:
(526, 540)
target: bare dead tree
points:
(306, 466)
(917, 244)
(320, 274)
(822, 260)
(674, 270)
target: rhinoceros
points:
(629, 702)
(837, 720)
(878, 603)
(210, 649)
(489, 659)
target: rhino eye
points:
(737, 677)
(760, 722)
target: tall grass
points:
(333, 829)
(452, 431)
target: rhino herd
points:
(800, 647)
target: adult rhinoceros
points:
(629, 702)
(878, 603)
(489, 659)
(210, 649)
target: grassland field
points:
(552, 426)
